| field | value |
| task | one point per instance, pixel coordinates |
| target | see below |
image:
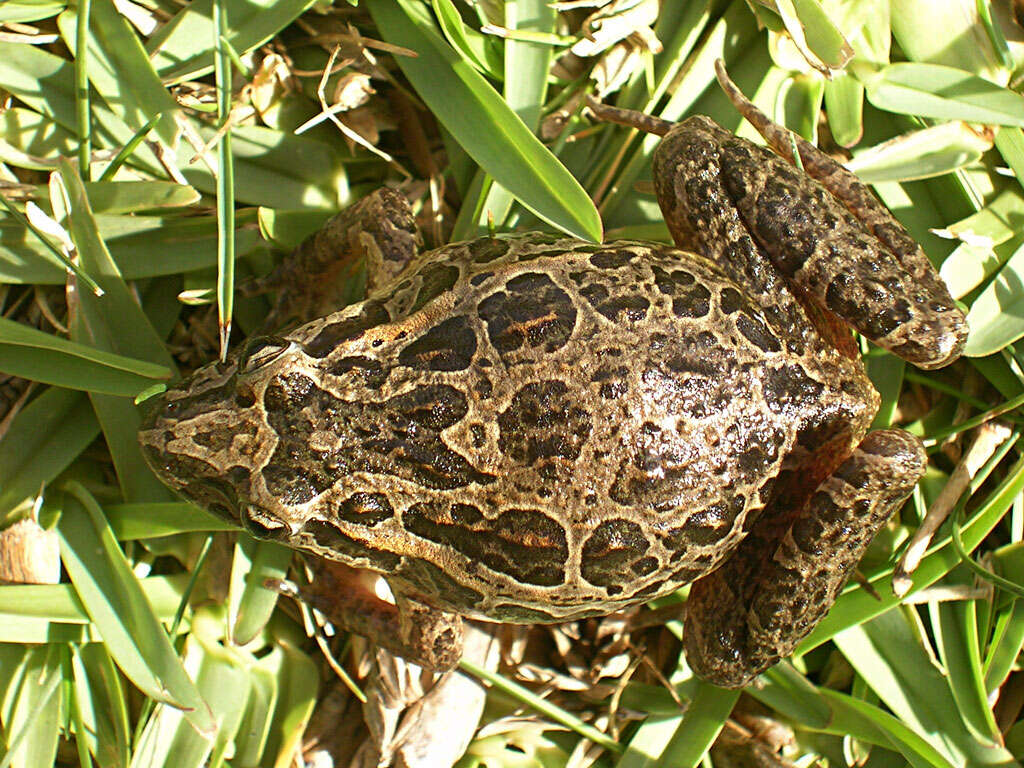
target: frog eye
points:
(260, 350)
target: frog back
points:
(535, 429)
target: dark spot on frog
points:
(487, 249)
(614, 547)
(480, 277)
(788, 386)
(263, 525)
(366, 372)
(612, 259)
(543, 427)
(245, 399)
(331, 336)
(630, 307)
(525, 544)
(730, 300)
(611, 390)
(757, 333)
(482, 386)
(448, 346)
(322, 439)
(327, 536)
(365, 509)
(879, 311)
(436, 279)
(532, 311)
(705, 527)
(689, 298)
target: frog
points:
(533, 428)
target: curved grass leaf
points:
(33, 354)
(141, 246)
(41, 441)
(701, 723)
(482, 123)
(117, 323)
(844, 108)
(929, 152)
(29, 10)
(946, 93)
(149, 520)
(115, 197)
(250, 604)
(997, 315)
(100, 700)
(114, 601)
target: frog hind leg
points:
(786, 574)
(378, 234)
(839, 244)
(408, 628)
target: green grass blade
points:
(37, 711)
(701, 723)
(115, 603)
(933, 151)
(41, 441)
(40, 356)
(250, 604)
(82, 91)
(482, 123)
(997, 315)
(946, 93)
(955, 624)
(117, 323)
(102, 705)
(225, 181)
(844, 106)
(155, 519)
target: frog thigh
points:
(772, 591)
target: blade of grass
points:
(33, 354)
(542, 705)
(225, 180)
(250, 604)
(115, 603)
(82, 92)
(702, 721)
(117, 323)
(484, 126)
(41, 441)
(945, 93)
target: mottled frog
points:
(532, 428)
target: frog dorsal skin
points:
(533, 428)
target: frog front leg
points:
(788, 571)
(363, 247)
(408, 628)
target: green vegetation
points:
(163, 647)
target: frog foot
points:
(751, 612)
